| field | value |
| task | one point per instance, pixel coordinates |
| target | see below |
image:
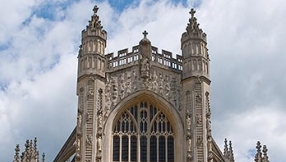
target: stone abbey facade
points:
(143, 105)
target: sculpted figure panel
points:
(121, 85)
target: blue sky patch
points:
(5, 46)
(48, 10)
(120, 5)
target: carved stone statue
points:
(135, 80)
(199, 141)
(128, 83)
(160, 84)
(114, 92)
(199, 118)
(122, 86)
(79, 121)
(167, 87)
(188, 120)
(89, 139)
(189, 144)
(145, 68)
(98, 145)
(154, 81)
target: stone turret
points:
(90, 87)
(31, 153)
(194, 50)
(196, 89)
(91, 53)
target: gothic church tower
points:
(142, 105)
(90, 88)
(196, 89)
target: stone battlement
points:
(127, 58)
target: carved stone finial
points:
(43, 157)
(35, 144)
(95, 23)
(258, 146)
(16, 156)
(225, 152)
(265, 156)
(258, 156)
(192, 12)
(95, 9)
(231, 157)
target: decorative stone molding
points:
(119, 86)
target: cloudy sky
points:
(38, 64)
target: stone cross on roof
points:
(145, 33)
(192, 12)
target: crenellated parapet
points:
(125, 58)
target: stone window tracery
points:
(143, 133)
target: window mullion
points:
(138, 148)
(166, 148)
(138, 132)
(157, 147)
(148, 132)
(120, 148)
(129, 148)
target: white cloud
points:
(245, 41)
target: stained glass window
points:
(143, 133)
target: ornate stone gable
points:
(121, 84)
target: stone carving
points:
(199, 118)
(88, 116)
(208, 125)
(135, 79)
(190, 157)
(154, 82)
(188, 121)
(198, 99)
(99, 111)
(167, 87)
(78, 148)
(173, 89)
(90, 92)
(208, 109)
(199, 141)
(90, 89)
(89, 140)
(210, 155)
(80, 102)
(79, 121)
(145, 68)
(99, 145)
(160, 85)
(128, 83)
(189, 144)
(121, 85)
(114, 92)
(188, 101)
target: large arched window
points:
(143, 133)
